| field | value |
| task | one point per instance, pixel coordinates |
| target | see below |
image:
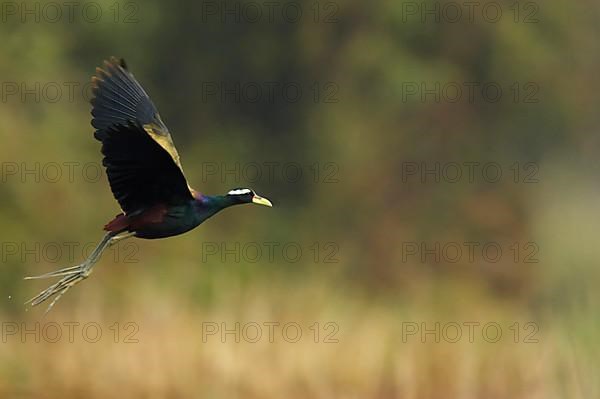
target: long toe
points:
(57, 273)
(69, 275)
(64, 284)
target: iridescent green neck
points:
(219, 202)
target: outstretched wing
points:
(142, 164)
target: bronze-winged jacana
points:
(144, 173)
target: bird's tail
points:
(118, 224)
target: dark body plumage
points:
(142, 164)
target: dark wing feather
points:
(141, 174)
(141, 160)
(120, 99)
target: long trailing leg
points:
(75, 274)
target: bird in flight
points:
(144, 173)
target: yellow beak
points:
(257, 199)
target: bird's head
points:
(247, 196)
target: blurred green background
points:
(353, 212)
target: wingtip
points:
(101, 73)
(104, 71)
(117, 61)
